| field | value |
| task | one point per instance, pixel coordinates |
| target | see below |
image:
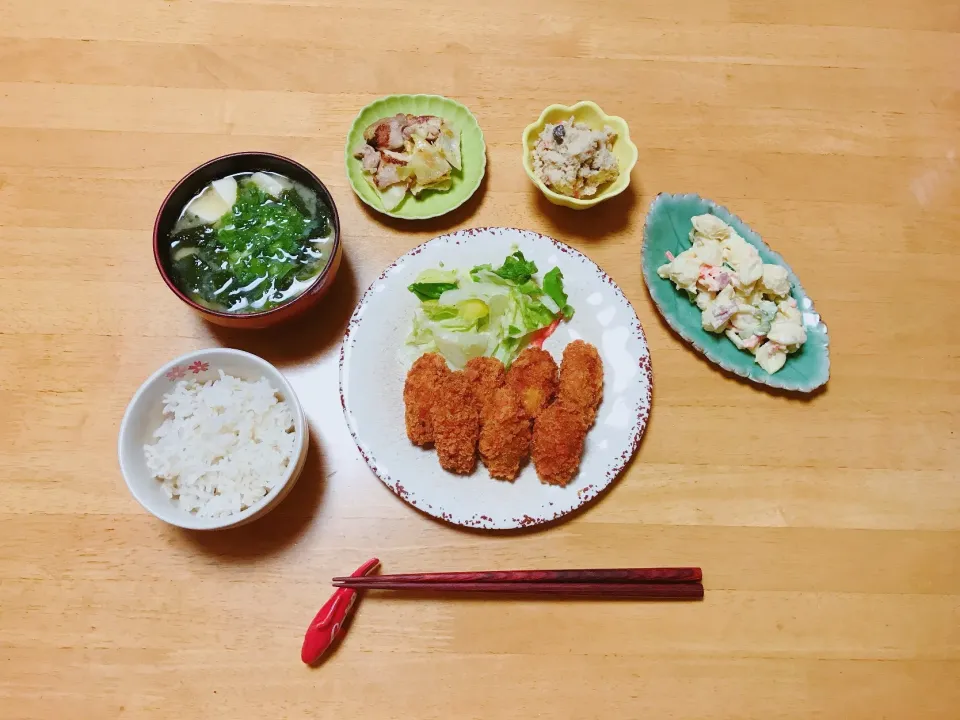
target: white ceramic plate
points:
(373, 369)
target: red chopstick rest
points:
(328, 623)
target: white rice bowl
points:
(188, 463)
(223, 445)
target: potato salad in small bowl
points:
(722, 289)
(738, 294)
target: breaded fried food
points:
(557, 446)
(534, 377)
(419, 392)
(581, 379)
(504, 434)
(456, 424)
(485, 374)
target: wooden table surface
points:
(828, 529)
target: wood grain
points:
(828, 530)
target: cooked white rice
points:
(223, 444)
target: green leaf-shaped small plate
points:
(431, 203)
(667, 229)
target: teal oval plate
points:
(667, 229)
(431, 203)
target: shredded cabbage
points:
(484, 312)
(392, 196)
(449, 144)
(428, 164)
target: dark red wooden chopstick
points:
(652, 591)
(619, 575)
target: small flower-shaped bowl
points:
(145, 414)
(590, 114)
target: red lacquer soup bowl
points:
(245, 162)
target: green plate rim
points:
(348, 156)
(750, 371)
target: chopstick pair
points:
(636, 583)
(682, 583)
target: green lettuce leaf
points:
(430, 291)
(553, 287)
(516, 268)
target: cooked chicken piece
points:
(387, 175)
(426, 126)
(386, 133)
(369, 158)
(395, 157)
(429, 120)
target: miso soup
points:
(250, 242)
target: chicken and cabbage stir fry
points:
(737, 293)
(409, 153)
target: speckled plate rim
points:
(755, 239)
(414, 98)
(533, 129)
(582, 496)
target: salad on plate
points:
(486, 311)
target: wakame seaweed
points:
(259, 254)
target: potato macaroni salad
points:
(737, 293)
